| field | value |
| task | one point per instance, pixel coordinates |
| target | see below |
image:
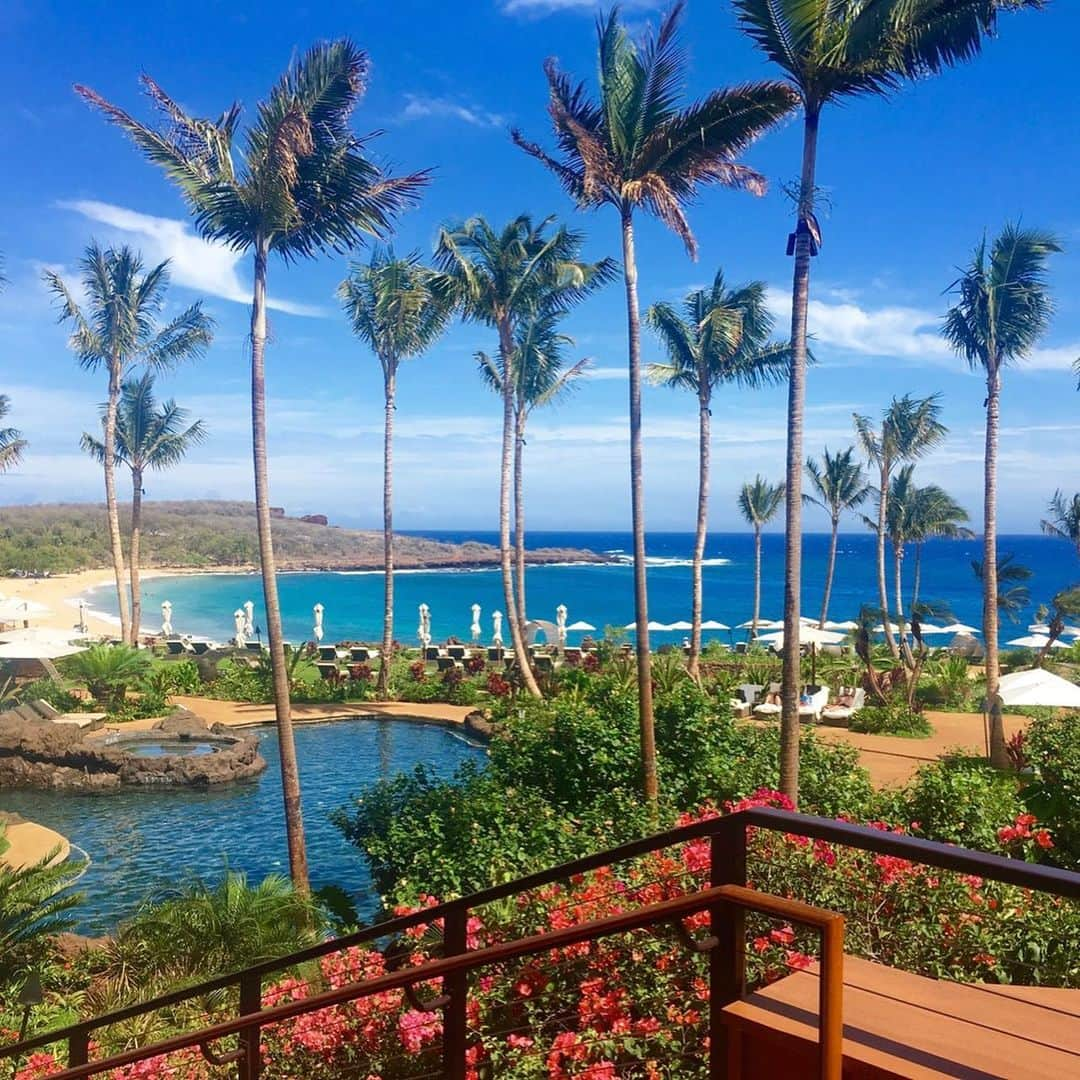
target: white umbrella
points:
(560, 624)
(14, 609)
(762, 624)
(249, 618)
(317, 629)
(712, 624)
(166, 618)
(960, 628)
(1038, 687)
(38, 650)
(1036, 641)
(1071, 631)
(581, 627)
(1038, 628)
(847, 624)
(423, 631)
(894, 627)
(496, 635)
(808, 635)
(82, 617)
(650, 625)
(630, 626)
(30, 635)
(682, 624)
(476, 629)
(926, 628)
(238, 628)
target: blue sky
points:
(911, 184)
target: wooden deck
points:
(902, 1025)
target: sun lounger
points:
(456, 652)
(447, 663)
(174, 647)
(432, 653)
(769, 710)
(328, 653)
(328, 670)
(359, 655)
(254, 646)
(811, 701)
(496, 654)
(839, 713)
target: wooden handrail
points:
(829, 924)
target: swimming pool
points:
(138, 841)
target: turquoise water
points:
(139, 841)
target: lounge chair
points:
(254, 646)
(544, 662)
(743, 701)
(496, 653)
(174, 647)
(448, 663)
(811, 701)
(359, 655)
(769, 710)
(328, 653)
(840, 712)
(456, 652)
(432, 652)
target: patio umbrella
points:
(1071, 631)
(581, 627)
(847, 625)
(894, 627)
(762, 624)
(42, 645)
(238, 628)
(682, 624)
(1036, 641)
(560, 624)
(423, 631)
(317, 629)
(82, 617)
(476, 629)
(960, 628)
(38, 635)
(808, 635)
(712, 624)
(249, 618)
(630, 626)
(1038, 687)
(926, 628)
(166, 618)
(496, 636)
(650, 625)
(1038, 628)
(13, 609)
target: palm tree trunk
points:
(390, 388)
(704, 441)
(133, 551)
(290, 774)
(757, 582)
(506, 346)
(917, 578)
(998, 755)
(829, 572)
(112, 511)
(637, 512)
(883, 588)
(800, 300)
(519, 512)
(898, 585)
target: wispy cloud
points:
(198, 264)
(602, 373)
(1059, 358)
(422, 106)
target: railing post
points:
(250, 1062)
(79, 1047)
(727, 962)
(456, 988)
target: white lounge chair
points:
(812, 701)
(840, 715)
(766, 710)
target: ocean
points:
(601, 595)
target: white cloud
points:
(421, 106)
(603, 373)
(1059, 358)
(201, 265)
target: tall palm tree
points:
(636, 149)
(759, 502)
(148, 438)
(933, 514)
(541, 377)
(1063, 521)
(303, 186)
(830, 52)
(1003, 308)
(12, 444)
(839, 485)
(910, 428)
(503, 279)
(721, 337)
(119, 331)
(394, 307)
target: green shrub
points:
(1052, 746)
(895, 717)
(175, 677)
(108, 671)
(53, 692)
(946, 682)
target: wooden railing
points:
(728, 849)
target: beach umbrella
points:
(650, 625)
(1071, 631)
(423, 631)
(808, 635)
(38, 635)
(476, 629)
(1038, 687)
(249, 618)
(926, 628)
(166, 618)
(238, 628)
(1036, 641)
(560, 624)
(581, 627)
(712, 624)
(15, 610)
(960, 628)
(82, 617)
(317, 629)
(630, 626)
(762, 624)
(38, 649)
(496, 636)
(1038, 628)
(847, 625)
(880, 628)
(682, 624)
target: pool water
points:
(181, 748)
(142, 840)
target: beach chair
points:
(840, 712)
(740, 648)
(328, 653)
(359, 655)
(769, 710)
(174, 647)
(544, 662)
(254, 646)
(328, 670)
(811, 701)
(432, 653)
(447, 663)
(495, 654)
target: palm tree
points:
(541, 378)
(839, 484)
(910, 429)
(147, 439)
(1003, 308)
(933, 513)
(635, 149)
(119, 331)
(759, 502)
(830, 52)
(503, 279)
(1013, 594)
(1063, 522)
(394, 308)
(303, 187)
(12, 444)
(721, 337)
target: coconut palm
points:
(721, 337)
(119, 331)
(759, 502)
(303, 186)
(1064, 519)
(1014, 595)
(635, 149)
(830, 52)
(148, 438)
(910, 428)
(393, 307)
(1003, 308)
(541, 378)
(502, 279)
(12, 444)
(839, 485)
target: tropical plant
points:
(538, 368)
(147, 439)
(393, 307)
(635, 149)
(839, 485)
(1013, 594)
(108, 671)
(1003, 308)
(830, 52)
(759, 502)
(1063, 521)
(119, 331)
(721, 337)
(304, 187)
(12, 444)
(502, 279)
